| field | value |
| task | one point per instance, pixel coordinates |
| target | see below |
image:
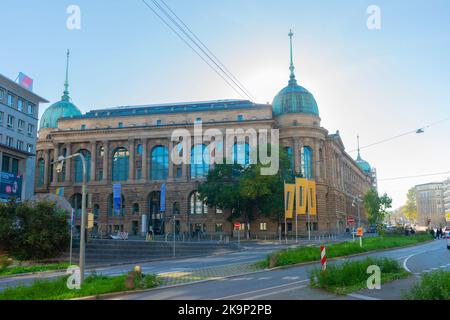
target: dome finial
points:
(292, 68)
(359, 150)
(65, 96)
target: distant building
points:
(447, 196)
(19, 109)
(430, 204)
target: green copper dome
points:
(364, 165)
(294, 98)
(60, 109)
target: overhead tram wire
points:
(190, 46)
(242, 92)
(207, 49)
(199, 47)
(420, 130)
(417, 176)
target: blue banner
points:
(10, 186)
(163, 198)
(117, 198)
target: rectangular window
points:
(19, 145)
(29, 148)
(120, 125)
(138, 174)
(10, 121)
(2, 94)
(9, 141)
(83, 127)
(240, 117)
(198, 120)
(100, 175)
(5, 163)
(218, 210)
(15, 166)
(30, 108)
(1, 138)
(179, 172)
(1, 118)
(30, 129)
(20, 125)
(20, 105)
(10, 100)
(158, 122)
(263, 226)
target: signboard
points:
(117, 198)
(304, 192)
(360, 232)
(237, 226)
(10, 186)
(350, 220)
(163, 198)
(447, 216)
(90, 220)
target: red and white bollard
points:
(323, 258)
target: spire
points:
(65, 96)
(359, 150)
(292, 68)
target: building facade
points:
(430, 204)
(131, 146)
(447, 197)
(19, 109)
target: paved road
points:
(292, 283)
(252, 252)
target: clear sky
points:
(378, 83)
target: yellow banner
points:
(448, 216)
(289, 195)
(90, 221)
(305, 193)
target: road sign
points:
(237, 226)
(323, 258)
(90, 220)
(350, 220)
(360, 232)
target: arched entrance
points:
(155, 223)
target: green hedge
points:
(433, 286)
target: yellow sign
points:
(447, 217)
(90, 221)
(305, 198)
(360, 232)
(289, 195)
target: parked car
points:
(448, 242)
(446, 231)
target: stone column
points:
(46, 167)
(296, 154)
(171, 175)
(55, 158)
(68, 178)
(106, 161)
(144, 160)
(93, 160)
(132, 163)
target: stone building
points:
(430, 204)
(19, 109)
(131, 145)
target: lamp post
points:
(59, 169)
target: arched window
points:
(111, 211)
(196, 205)
(160, 163)
(199, 161)
(120, 164)
(79, 166)
(307, 162)
(241, 154)
(96, 210)
(290, 158)
(75, 202)
(41, 169)
(176, 208)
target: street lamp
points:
(59, 168)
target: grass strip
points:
(433, 286)
(353, 276)
(9, 271)
(56, 289)
(342, 249)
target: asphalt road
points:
(292, 283)
(252, 252)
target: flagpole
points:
(71, 237)
(285, 219)
(296, 227)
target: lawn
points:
(310, 254)
(8, 271)
(56, 289)
(352, 276)
(432, 286)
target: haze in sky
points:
(375, 83)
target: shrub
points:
(37, 231)
(433, 286)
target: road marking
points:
(260, 290)
(290, 278)
(409, 257)
(274, 293)
(361, 297)
(265, 278)
(241, 279)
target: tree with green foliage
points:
(409, 210)
(377, 208)
(33, 231)
(244, 192)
